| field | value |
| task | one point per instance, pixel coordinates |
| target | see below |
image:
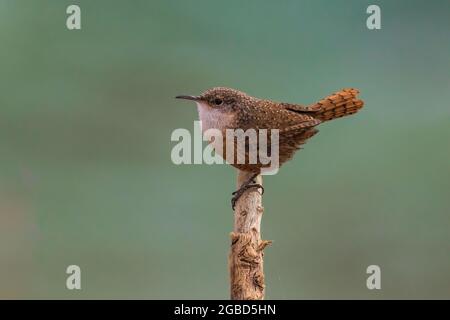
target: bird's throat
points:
(213, 118)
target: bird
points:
(225, 109)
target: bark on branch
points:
(246, 255)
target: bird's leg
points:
(250, 183)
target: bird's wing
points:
(295, 128)
(279, 116)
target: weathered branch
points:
(246, 255)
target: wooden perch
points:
(246, 255)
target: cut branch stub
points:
(246, 255)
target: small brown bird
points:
(224, 108)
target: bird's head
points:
(218, 98)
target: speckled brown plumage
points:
(225, 108)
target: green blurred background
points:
(85, 170)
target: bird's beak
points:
(194, 98)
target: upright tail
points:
(339, 104)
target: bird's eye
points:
(218, 101)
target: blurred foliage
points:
(85, 170)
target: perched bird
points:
(224, 108)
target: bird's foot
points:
(249, 184)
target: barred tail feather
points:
(339, 104)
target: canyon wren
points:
(224, 108)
